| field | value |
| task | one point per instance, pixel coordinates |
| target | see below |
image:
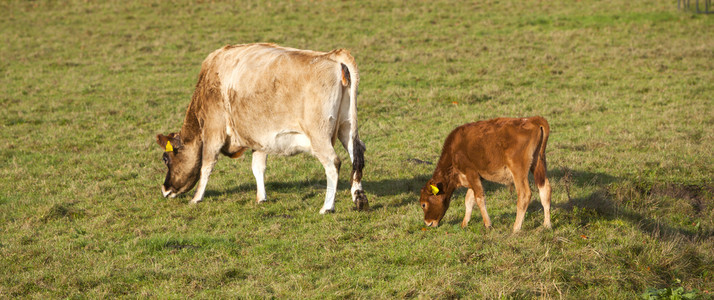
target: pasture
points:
(627, 88)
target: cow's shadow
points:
(408, 187)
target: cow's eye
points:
(423, 205)
(166, 159)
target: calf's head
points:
(183, 163)
(434, 202)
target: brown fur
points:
(502, 150)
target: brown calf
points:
(501, 150)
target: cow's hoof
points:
(195, 201)
(325, 210)
(361, 202)
(259, 201)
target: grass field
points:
(627, 87)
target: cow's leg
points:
(520, 180)
(331, 163)
(475, 196)
(258, 166)
(355, 147)
(469, 202)
(539, 175)
(544, 192)
(208, 160)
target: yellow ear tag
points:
(434, 189)
(168, 147)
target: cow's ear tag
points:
(168, 147)
(434, 189)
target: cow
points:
(500, 150)
(272, 100)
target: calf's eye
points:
(423, 205)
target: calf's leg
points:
(524, 195)
(469, 202)
(475, 196)
(544, 192)
(481, 201)
(539, 175)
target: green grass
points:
(626, 86)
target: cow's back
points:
(270, 92)
(490, 145)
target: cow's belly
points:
(287, 143)
(503, 176)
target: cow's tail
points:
(539, 164)
(355, 146)
(350, 77)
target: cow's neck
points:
(445, 174)
(191, 129)
(191, 137)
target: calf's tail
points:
(539, 165)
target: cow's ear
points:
(440, 187)
(175, 139)
(172, 138)
(434, 189)
(161, 140)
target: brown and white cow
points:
(501, 150)
(273, 100)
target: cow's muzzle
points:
(431, 223)
(167, 192)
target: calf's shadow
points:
(600, 201)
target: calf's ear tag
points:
(168, 147)
(434, 189)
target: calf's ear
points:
(434, 189)
(438, 188)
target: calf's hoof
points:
(361, 202)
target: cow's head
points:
(183, 163)
(434, 202)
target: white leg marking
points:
(331, 174)
(544, 193)
(350, 149)
(258, 166)
(205, 173)
(469, 202)
(356, 186)
(164, 191)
